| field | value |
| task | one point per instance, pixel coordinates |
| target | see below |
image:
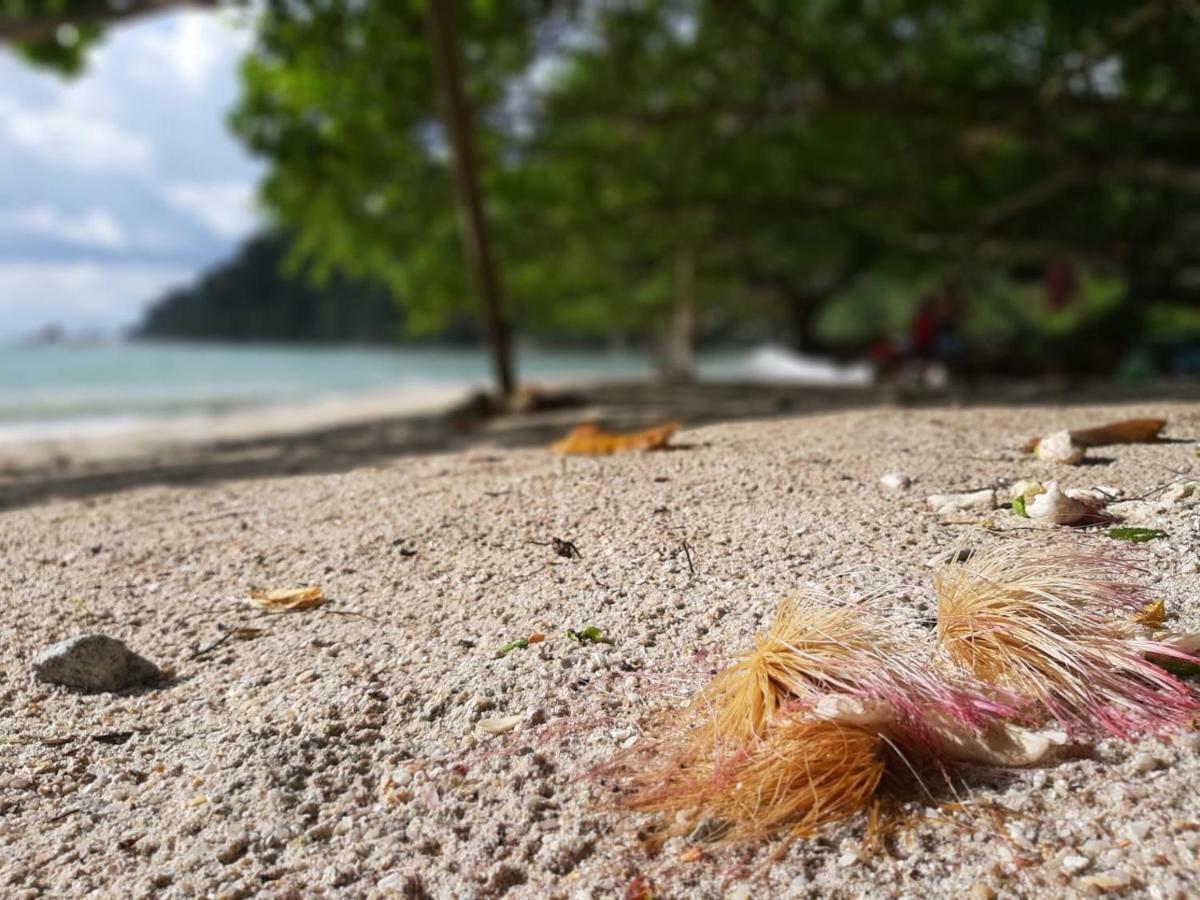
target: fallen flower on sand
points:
(1039, 646)
(1061, 508)
(1056, 626)
(591, 440)
(288, 599)
(800, 731)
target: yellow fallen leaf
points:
(691, 854)
(593, 441)
(1151, 615)
(288, 599)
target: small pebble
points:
(1188, 741)
(93, 663)
(895, 481)
(1074, 864)
(1105, 882)
(1145, 762)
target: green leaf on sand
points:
(589, 635)
(1136, 535)
(520, 644)
(1018, 506)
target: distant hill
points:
(250, 299)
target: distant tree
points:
(249, 298)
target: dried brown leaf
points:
(591, 440)
(288, 599)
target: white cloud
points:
(124, 179)
(225, 208)
(74, 138)
(94, 228)
(80, 296)
(189, 48)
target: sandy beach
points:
(337, 752)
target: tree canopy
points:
(738, 164)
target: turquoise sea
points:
(63, 390)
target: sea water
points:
(71, 390)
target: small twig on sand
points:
(348, 612)
(687, 552)
(214, 645)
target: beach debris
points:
(945, 504)
(1185, 490)
(999, 744)
(895, 481)
(94, 663)
(1151, 615)
(589, 635)
(1059, 448)
(959, 554)
(803, 774)
(499, 725)
(591, 440)
(1022, 492)
(1136, 535)
(565, 549)
(1053, 625)
(287, 599)
(687, 555)
(797, 733)
(1126, 431)
(1061, 508)
(1183, 656)
(639, 888)
(522, 643)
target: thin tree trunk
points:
(804, 309)
(466, 174)
(678, 362)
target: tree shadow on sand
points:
(619, 406)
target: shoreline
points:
(340, 434)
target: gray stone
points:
(93, 663)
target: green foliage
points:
(589, 635)
(519, 644)
(774, 150)
(807, 168)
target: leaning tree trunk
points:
(466, 174)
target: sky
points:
(124, 181)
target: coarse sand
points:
(337, 751)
